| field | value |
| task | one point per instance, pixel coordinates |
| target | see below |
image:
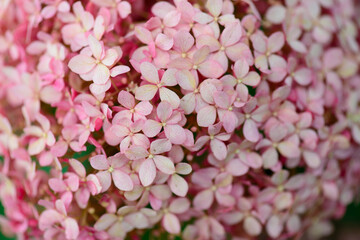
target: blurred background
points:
(347, 228)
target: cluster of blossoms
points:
(193, 119)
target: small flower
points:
(115, 168)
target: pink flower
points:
(125, 220)
(170, 221)
(126, 133)
(54, 6)
(277, 142)
(122, 7)
(153, 160)
(96, 68)
(243, 78)
(200, 61)
(65, 186)
(217, 139)
(50, 217)
(216, 8)
(253, 116)
(228, 46)
(266, 59)
(132, 110)
(216, 185)
(115, 168)
(178, 184)
(192, 98)
(169, 120)
(147, 92)
(43, 136)
(89, 184)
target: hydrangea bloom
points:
(211, 119)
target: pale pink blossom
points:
(115, 168)
(169, 120)
(147, 92)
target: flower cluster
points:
(208, 119)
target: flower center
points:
(111, 169)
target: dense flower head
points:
(212, 119)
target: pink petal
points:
(214, 7)
(136, 153)
(122, 181)
(231, 34)
(276, 14)
(164, 42)
(81, 64)
(208, 40)
(186, 80)
(164, 111)
(143, 108)
(188, 103)
(57, 185)
(48, 218)
(169, 96)
(229, 120)
(171, 223)
(211, 69)
(160, 146)
(172, 18)
(241, 68)
(270, 157)
(124, 9)
(126, 99)
(240, 51)
(147, 172)
(149, 73)
(251, 131)
(111, 55)
(252, 226)
(99, 162)
(206, 116)
(289, 149)
(178, 185)
(151, 128)
(276, 41)
(95, 46)
(82, 197)
(117, 70)
(146, 92)
(251, 79)
(203, 200)
(168, 78)
(164, 164)
(101, 74)
(237, 168)
(143, 34)
(36, 146)
(183, 41)
(333, 58)
(312, 159)
(183, 168)
(104, 179)
(274, 226)
(105, 221)
(259, 42)
(175, 134)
